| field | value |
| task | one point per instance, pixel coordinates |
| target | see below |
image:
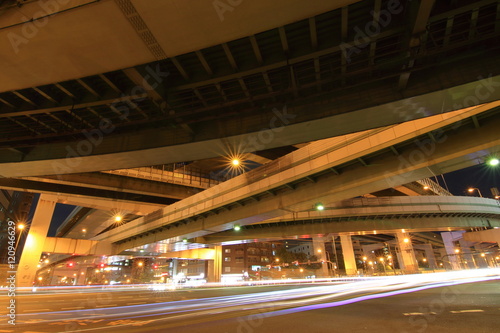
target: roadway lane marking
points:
(127, 296)
(36, 310)
(136, 303)
(105, 306)
(73, 308)
(6, 331)
(417, 313)
(465, 311)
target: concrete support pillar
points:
(214, 269)
(467, 257)
(80, 279)
(320, 253)
(429, 255)
(407, 262)
(451, 255)
(175, 263)
(348, 253)
(27, 268)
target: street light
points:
(471, 190)
(493, 161)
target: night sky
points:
(480, 176)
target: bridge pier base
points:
(448, 239)
(214, 267)
(348, 253)
(33, 247)
(407, 262)
(320, 253)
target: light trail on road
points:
(269, 303)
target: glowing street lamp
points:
(235, 162)
(118, 218)
(319, 206)
(493, 161)
(237, 227)
(20, 226)
(471, 190)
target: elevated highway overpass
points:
(78, 131)
(325, 171)
(373, 216)
(164, 90)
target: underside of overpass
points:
(159, 99)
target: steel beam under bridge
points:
(202, 254)
(76, 246)
(363, 226)
(42, 160)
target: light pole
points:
(327, 260)
(20, 227)
(471, 190)
(383, 265)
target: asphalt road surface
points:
(421, 303)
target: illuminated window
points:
(227, 259)
(227, 251)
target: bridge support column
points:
(175, 263)
(27, 268)
(451, 255)
(214, 269)
(320, 253)
(466, 248)
(429, 255)
(348, 253)
(407, 262)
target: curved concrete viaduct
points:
(327, 171)
(373, 216)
